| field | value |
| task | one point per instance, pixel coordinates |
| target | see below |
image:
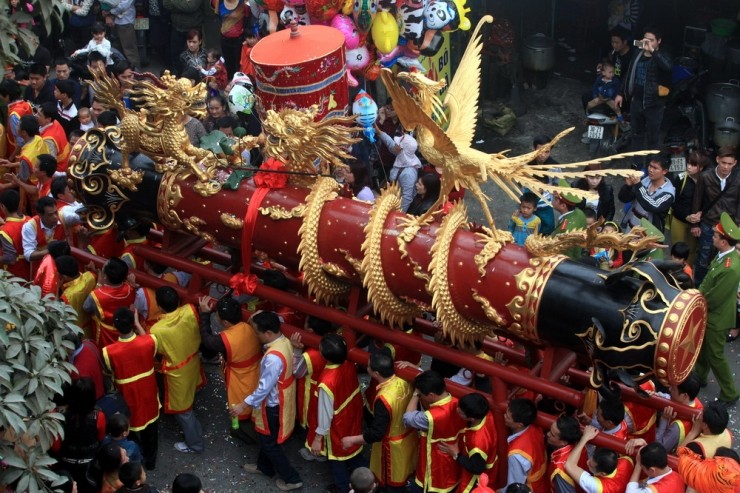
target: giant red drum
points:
(301, 67)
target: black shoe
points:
(240, 435)
(730, 337)
(726, 404)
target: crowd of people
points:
(141, 349)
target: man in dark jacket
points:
(645, 85)
(717, 191)
(651, 197)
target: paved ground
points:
(549, 111)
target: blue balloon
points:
(367, 111)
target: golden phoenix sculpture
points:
(451, 153)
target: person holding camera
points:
(645, 86)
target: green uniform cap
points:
(568, 197)
(727, 227)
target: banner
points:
(439, 66)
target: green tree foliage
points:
(33, 368)
(15, 30)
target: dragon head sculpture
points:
(171, 97)
(294, 137)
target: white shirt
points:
(722, 181)
(28, 234)
(634, 486)
(720, 255)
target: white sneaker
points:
(183, 447)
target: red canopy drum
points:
(299, 67)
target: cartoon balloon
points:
(297, 12)
(364, 13)
(367, 111)
(357, 59)
(273, 8)
(241, 96)
(322, 11)
(347, 27)
(412, 17)
(384, 32)
(438, 14)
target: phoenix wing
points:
(412, 115)
(464, 90)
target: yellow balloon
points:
(347, 7)
(385, 32)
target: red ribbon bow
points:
(243, 283)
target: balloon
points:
(387, 6)
(411, 63)
(322, 11)
(297, 12)
(412, 17)
(272, 7)
(372, 72)
(357, 59)
(364, 13)
(397, 52)
(347, 27)
(241, 96)
(367, 111)
(438, 14)
(385, 32)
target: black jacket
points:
(684, 203)
(606, 207)
(659, 72)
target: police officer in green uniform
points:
(720, 289)
(570, 218)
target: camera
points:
(639, 44)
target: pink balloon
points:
(347, 27)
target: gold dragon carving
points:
(308, 148)
(450, 151)
(390, 307)
(156, 129)
(320, 283)
(458, 327)
(636, 239)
